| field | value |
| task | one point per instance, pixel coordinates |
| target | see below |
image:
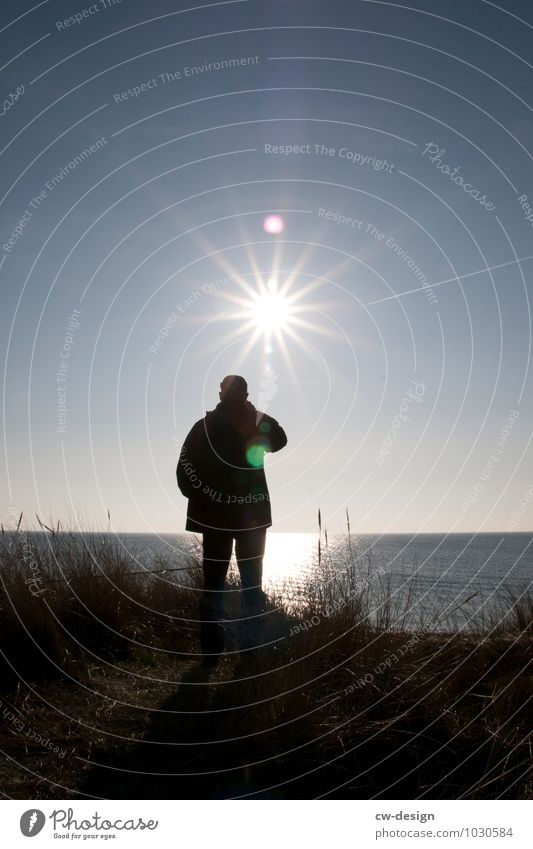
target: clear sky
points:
(142, 148)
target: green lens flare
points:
(256, 452)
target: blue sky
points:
(156, 140)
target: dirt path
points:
(49, 734)
(179, 754)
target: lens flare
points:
(255, 453)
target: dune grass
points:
(347, 699)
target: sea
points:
(438, 580)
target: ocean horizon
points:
(464, 578)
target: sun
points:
(272, 312)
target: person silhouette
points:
(220, 471)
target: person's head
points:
(233, 388)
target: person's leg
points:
(217, 548)
(249, 551)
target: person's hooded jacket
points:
(220, 468)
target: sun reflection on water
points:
(288, 556)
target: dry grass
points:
(347, 700)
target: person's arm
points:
(190, 455)
(273, 433)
